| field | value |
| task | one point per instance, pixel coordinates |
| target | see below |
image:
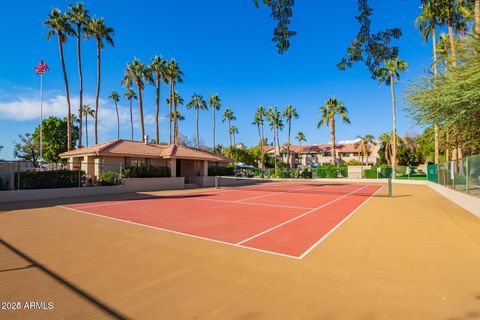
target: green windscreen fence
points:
(432, 172)
(461, 175)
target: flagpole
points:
(41, 118)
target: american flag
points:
(41, 68)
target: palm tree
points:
(260, 114)
(87, 111)
(427, 23)
(300, 137)
(130, 95)
(96, 28)
(387, 146)
(178, 116)
(176, 101)
(289, 114)
(214, 103)
(229, 117)
(136, 72)
(116, 97)
(58, 24)
(276, 124)
(365, 143)
(197, 103)
(158, 68)
(174, 76)
(332, 107)
(388, 74)
(233, 130)
(78, 16)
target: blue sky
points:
(222, 47)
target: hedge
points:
(370, 173)
(49, 179)
(221, 171)
(146, 172)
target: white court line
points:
(249, 203)
(338, 225)
(271, 194)
(180, 233)
(300, 216)
(126, 201)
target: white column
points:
(173, 167)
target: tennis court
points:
(277, 217)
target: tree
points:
(54, 131)
(300, 137)
(365, 143)
(197, 103)
(281, 11)
(233, 131)
(259, 121)
(229, 117)
(276, 124)
(78, 16)
(87, 111)
(158, 68)
(135, 73)
(97, 29)
(116, 98)
(176, 101)
(328, 112)
(387, 74)
(130, 95)
(179, 117)
(27, 149)
(174, 76)
(58, 24)
(427, 23)
(215, 104)
(289, 114)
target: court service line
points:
(180, 233)
(300, 216)
(250, 203)
(338, 225)
(271, 194)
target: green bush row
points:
(221, 171)
(49, 179)
(146, 172)
(330, 171)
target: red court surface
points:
(288, 223)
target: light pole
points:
(40, 69)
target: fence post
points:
(18, 175)
(80, 175)
(467, 175)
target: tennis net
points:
(290, 185)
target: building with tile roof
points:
(116, 155)
(308, 155)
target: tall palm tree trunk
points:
(262, 141)
(170, 112)
(214, 124)
(451, 38)
(140, 109)
(436, 127)
(289, 161)
(131, 118)
(97, 96)
(86, 127)
(67, 93)
(332, 139)
(118, 120)
(196, 125)
(394, 125)
(230, 134)
(175, 124)
(80, 78)
(157, 110)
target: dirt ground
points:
(414, 256)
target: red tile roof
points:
(140, 149)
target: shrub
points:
(327, 171)
(370, 173)
(220, 171)
(109, 178)
(49, 179)
(305, 174)
(146, 172)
